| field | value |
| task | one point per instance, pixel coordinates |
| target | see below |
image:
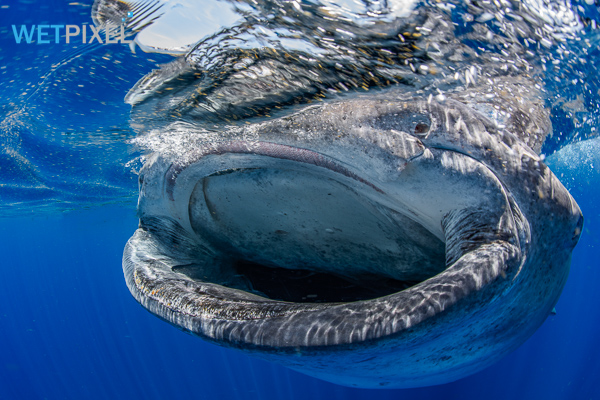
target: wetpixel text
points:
(46, 34)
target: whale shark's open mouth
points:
(259, 231)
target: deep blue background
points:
(70, 329)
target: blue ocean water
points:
(69, 328)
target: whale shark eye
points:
(421, 129)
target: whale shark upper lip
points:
(267, 149)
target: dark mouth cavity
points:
(303, 285)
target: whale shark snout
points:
(370, 242)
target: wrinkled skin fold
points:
(456, 234)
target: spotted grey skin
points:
(429, 195)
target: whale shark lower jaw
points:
(405, 246)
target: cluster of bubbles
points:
(271, 56)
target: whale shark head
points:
(350, 189)
(375, 242)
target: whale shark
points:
(356, 194)
(371, 242)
